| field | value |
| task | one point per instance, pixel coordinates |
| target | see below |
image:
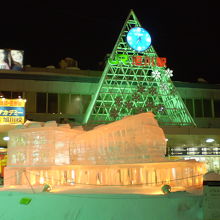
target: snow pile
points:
(49, 206)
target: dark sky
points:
(186, 34)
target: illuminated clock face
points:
(138, 39)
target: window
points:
(6, 94)
(41, 102)
(207, 107)
(217, 108)
(76, 104)
(64, 103)
(16, 95)
(52, 103)
(11, 95)
(198, 108)
(85, 102)
(47, 103)
(189, 105)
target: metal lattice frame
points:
(127, 89)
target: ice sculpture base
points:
(179, 173)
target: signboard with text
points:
(12, 111)
(11, 59)
(138, 60)
(194, 151)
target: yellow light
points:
(41, 180)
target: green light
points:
(25, 201)
(135, 82)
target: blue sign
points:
(12, 111)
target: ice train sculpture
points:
(126, 152)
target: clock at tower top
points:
(138, 39)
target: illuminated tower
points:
(136, 80)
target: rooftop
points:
(73, 74)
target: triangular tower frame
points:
(134, 82)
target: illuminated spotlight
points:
(209, 140)
(6, 138)
(166, 189)
(47, 188)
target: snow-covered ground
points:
(100, 203)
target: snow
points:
(91, 205)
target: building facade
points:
(64, 95)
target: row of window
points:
(77, 104)
(11, 95)
(61, 103)
(205, 108)
(52, 102)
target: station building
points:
(63, 95)
(68, 95)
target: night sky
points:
(48, 32)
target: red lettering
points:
(147, 61)
(137, 60)
(161, 61)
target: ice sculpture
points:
(40, 146)
(134, 139)
(126, 152)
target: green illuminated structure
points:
(134, 82)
